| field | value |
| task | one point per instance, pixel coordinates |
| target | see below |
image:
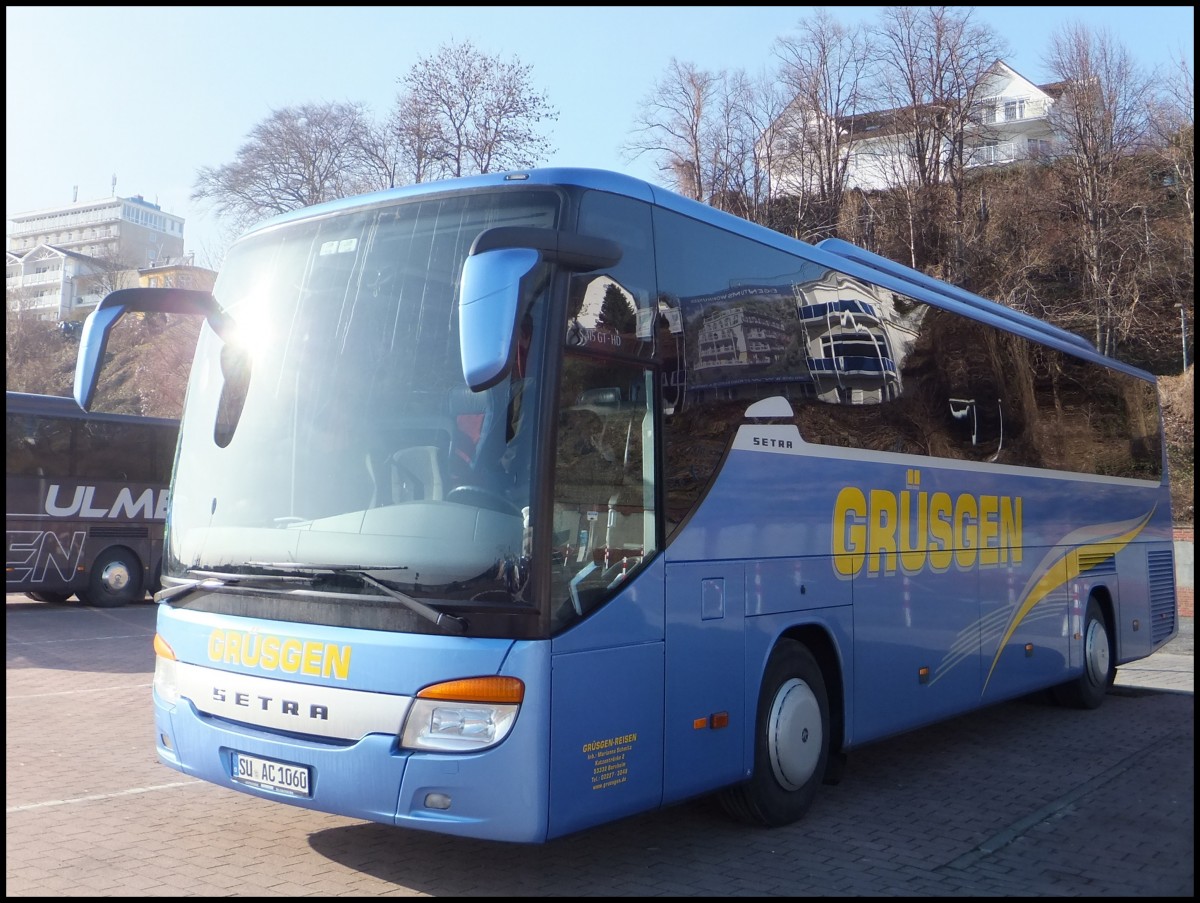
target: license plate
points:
(280, 776)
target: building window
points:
(1014, 109)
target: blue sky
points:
(151, 94)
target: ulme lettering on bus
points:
(83, 503)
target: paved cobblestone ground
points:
(1023, 799)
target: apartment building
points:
(63, 260)
(1009, 123)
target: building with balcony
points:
(63, 260)
(739, 337)
(1010, 123)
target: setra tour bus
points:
(512, 505)
(85, 500)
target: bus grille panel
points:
(117, 532)
(1162, 595)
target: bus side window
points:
(19, 447)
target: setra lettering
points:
(769, 442)
(290, 707)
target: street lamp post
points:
(1183, 331)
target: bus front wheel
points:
(116, 579)
(1088, 690)
(791, 744)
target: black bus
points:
(85, 500)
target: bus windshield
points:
(337, 432)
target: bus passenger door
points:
(705, 670)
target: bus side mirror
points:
(500, 277)
(99, 324)
(489, 308)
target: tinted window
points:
(864, 367)
(90, 449)
(612, 312)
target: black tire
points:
(116, 579)
(58, 598)
(791, 743)
(1088, 690)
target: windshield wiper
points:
(452, 623)
(448, 622)
(216, 579)
(286, 572)
(183, 589)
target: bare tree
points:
(912, 77)
(107, 272)
(725, 150)
(676, 122)
(295, 157)
(972, 53)
(1174, 126)
(933, 63)
(464, 112)
(1173, 122)
(823, 66)
(759, 104)
(416, 134)
(1101, 119)
(736, 182)
(905, 202)
(157, 350)
(715, 136)
(383, 155)
(22, 328)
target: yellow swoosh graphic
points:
(1059, 568)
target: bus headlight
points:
(463, 715)
(166, 676)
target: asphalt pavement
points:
(1020, 799)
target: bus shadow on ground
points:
(70, 636)
(932, 793)
(639, 856)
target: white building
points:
(1010, 123)
(64, 259)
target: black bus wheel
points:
(58, 598)
(116, 579)
(791, 743)
(1088, 690)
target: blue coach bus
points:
(512, 505)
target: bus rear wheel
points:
(1088, 690)
(116, 579)
(791, 744)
